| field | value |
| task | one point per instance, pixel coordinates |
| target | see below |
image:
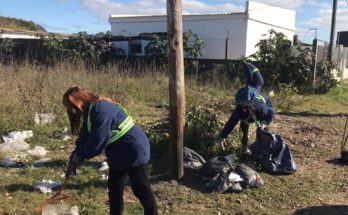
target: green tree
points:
(282, 63)
(157, 49)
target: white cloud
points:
(103, 8)
(323, 18)
(289, 4)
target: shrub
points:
(282, 63)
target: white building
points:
(236, 32)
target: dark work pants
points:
(244, 127)
(140, 185)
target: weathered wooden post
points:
(176, 87)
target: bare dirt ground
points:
(318, 187)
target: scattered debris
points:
(17, 135)
(192, 159)
(62, 134)
(44, 118)
(14, 141)
(14, 146)
(46, 186)
(38, 151)
(105, 177)
(42, 161)
(8, 162)
(73, 210)
(220, 175)
(8, 195)
(103, 166)
(307, 140)
(55, 209)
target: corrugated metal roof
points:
(113, 16)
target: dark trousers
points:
(244, 127)
(140, 185)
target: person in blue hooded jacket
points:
(102, 125)
(259, 111)
(253, 77)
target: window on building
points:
(135, 47)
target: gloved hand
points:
(264, 127)
(70, 170)
(74, 162)
(221, 142)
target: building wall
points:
(240, 32)
(213, 29)
(262, 18)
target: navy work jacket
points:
(264, 113)
(254, 77)
(132, 149)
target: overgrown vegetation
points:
(156, 50)
(282, 63)
(19, 24)
(26, 89)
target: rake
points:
(59, 196)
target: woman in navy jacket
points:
(103, 125)
(259, 111)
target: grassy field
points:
(318, 187)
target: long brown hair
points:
(76, 98)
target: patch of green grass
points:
(335, 101)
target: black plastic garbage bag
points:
(250, 177)
(214, 166)
(272, 153)
(192, 159)
(225, 182)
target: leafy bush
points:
(282, 63)
(325, 77)
(156, 50)
(201, 129)
(287, 97)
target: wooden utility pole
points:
(333, 25)
(176, 87)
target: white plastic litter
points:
(55, 209)
(14, 146)
(38, 151)
(17, 135)
(103, 167)
(74, 210)
(46, 186)
(42, 161)
(44, 118)
(234, 177)
(8, 162)
(230, 158)
(65, 136)
(105, 177)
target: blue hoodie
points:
(254, 77)
(132, 149)
(263, 113)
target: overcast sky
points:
(72, 16)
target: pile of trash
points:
(219, 174)
(17, 150)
